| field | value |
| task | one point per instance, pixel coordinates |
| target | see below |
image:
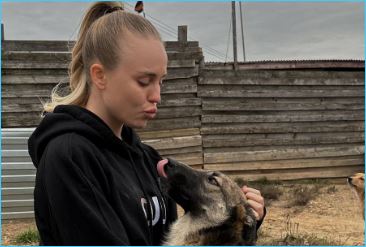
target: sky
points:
(272, 30)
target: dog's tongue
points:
(160, 168)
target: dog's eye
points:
(212, 180)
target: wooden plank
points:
(61, 60)
(295, 174)
(239, 140)
(175, 123)
(258, 79)
(290, 116)
(279, 91)
(180, 102)
(287, 164)
(285, 73)
(36, 90)
(35, 72)
(177, 73)
(32, 119)
(60, 45)
(37, 45)
(165, 97)
(35, 79)
(26, 104)
(174, 151)
(293, 127)
(282, 104)
(22, 104)
(188, 158)
(185, 63)
(186, 86)
(44, 90)
(178, 112)
(175, 44)
(177, 55)
(280, 153)
(175, 142)
(167, 133)
(38, 63)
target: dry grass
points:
(270, 190)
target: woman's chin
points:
(138, 124)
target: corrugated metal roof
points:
(295, 64)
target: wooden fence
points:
(283, 123)
(282, 120)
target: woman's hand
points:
(255, 200)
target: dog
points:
(216, 209)
(357, 184)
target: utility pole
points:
(234, 35)
(2, 32)
(242, 31)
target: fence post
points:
(182, 34)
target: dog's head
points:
(357, 181)
(201, 192)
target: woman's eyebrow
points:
(151, 74)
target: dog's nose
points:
(171, 163)
(349, 179)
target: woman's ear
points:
(98, 76)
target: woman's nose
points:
(154, 94)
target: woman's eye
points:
(143, 82)
(212, 180)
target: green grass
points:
(28, 237)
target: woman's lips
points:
(154, 110)
(151, 113)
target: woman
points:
(96, 183)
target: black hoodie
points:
(93, 188)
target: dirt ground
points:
(332, 216)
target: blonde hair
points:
(102, 27)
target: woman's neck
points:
(115, 125)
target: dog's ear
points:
(245, 218)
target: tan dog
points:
(216, 209)
(357, 184)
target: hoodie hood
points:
(71, 118)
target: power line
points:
(228, 41)
(169, 29)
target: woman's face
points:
(133, 88)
